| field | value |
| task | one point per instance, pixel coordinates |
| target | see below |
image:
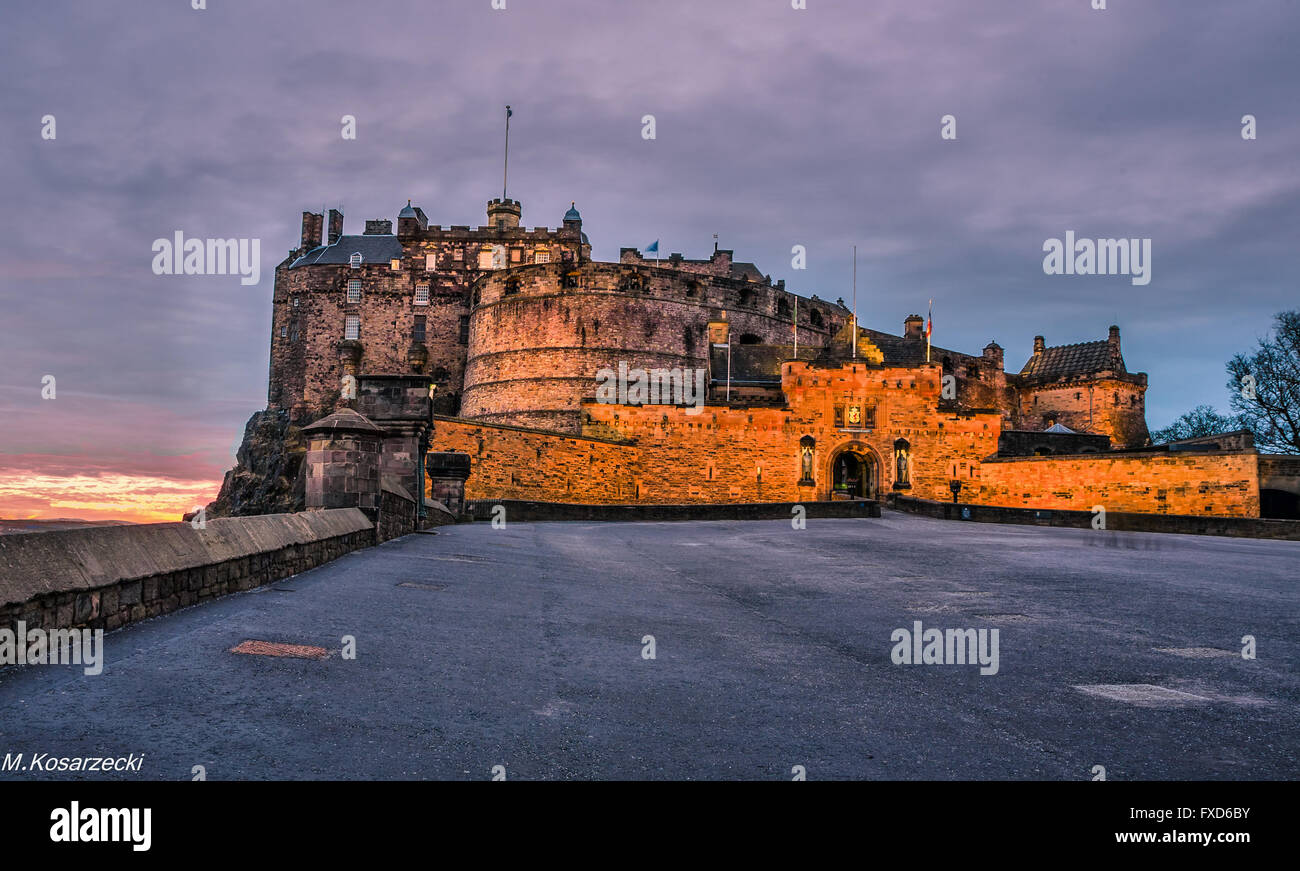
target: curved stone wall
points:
(540, 333)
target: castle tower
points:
(504, 214)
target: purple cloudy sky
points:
(775, 127)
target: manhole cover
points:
(414, 586)
(275, 648)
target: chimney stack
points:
(1039, 344)
(1114, 337)
(311, 229)
(336, 225)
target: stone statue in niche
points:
(806, 459)
(902, 467)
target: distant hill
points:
(16, 527)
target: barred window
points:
(354, 290)
(422, 294)
(417, 332)
(352, 327)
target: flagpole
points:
(796, 327)
(855, 302)
(505, 170)
(929, 324)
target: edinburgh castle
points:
(509, 327)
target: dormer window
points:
(355, 260)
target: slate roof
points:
(746, 271)
(373, 248)
(1081, 359)
(902, 351)
(755, 364)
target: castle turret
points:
(914, 326)
(993, 353)
(504, 214)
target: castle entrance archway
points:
(854, 475)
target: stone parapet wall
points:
(107, 577)
(1219, 483)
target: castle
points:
(510, 327)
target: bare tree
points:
(1264, 389)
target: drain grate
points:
(275, 648)
(414, 586)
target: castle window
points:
(782, 308)
(430, 262)
(295, 302)
(1117, 397)
(294, 332)
(395, 265)
(542, 257)
(417, 331)
(1078, 396)
(815, 318)
(511, 288)
(422, 294)
(464, 330)
(284, 331)
(354, 290)
(839, 416)
(459, 255)
(514, 255)
(750, 339)
(571, 279)
(355, 260)
(352, 327)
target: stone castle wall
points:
(540, 334)
(1222, 484)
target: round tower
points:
(504, 214)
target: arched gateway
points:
(855, 474)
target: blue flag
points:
(653, 246)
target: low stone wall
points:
(1214, 483)
(1119, 521)
(106, 577)
(396, 514)
(517, 510)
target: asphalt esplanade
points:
(523, 647)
